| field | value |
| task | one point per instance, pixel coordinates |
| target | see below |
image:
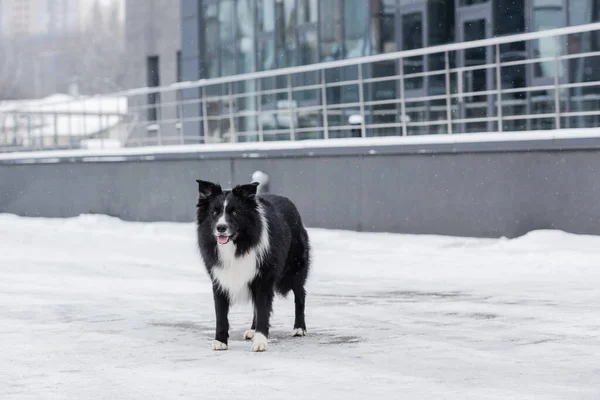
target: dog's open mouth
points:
(223, 239)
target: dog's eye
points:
(233, 213)
(216, 212)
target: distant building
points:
(153, 41)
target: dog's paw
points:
(299, 332)
(217, 345)
(259, 343)
(249, 334)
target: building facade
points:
(153, 40)
(228, 37)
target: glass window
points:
(211, 29)
(330, 29)
(356, 29)
(412, 38)
(509, 17)
(266, 15)
(307, 54)
(307, 11)
(286, 31)
(210, 55)
(153, 76)
(266, 49)
(307, 42)
(211, 65)
(441, 12)
(548, 14)
(245, 22)
(226, 20)
(228, 61)
(472, 2)
(384, 28)
(583, 12)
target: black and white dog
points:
(252, 246)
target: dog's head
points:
(227, 215)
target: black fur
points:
(283, 267)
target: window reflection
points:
(266, 15)
(228, 60)
(226, 20)
(285, 19)
(267, 54)
(211, 50)
(440, 31)
(356, 29)
(412, 38)
(307, 11)
(308, 54)
(548, 14)
(472, 2)
(384, 26)
(330, 29)
(245, 29)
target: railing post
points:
(158, 121)
(259, 110)
(361, 101)
(70, 123)
(402, 99)
(448, 93)
(84, 120)
(324, 104)
(204, 114)
(290, 107)
(179, 112)
(231, 119)
(101, 122)
(499, 88)
(55, 120)
(556, 83)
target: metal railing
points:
(531, 81)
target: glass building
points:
(227, 37)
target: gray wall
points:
(153, 28)
(445, 191)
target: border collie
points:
(252, 246)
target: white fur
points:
(216, 345)
(260, 342)
(234, 274)
(298, 332)
(249, 334)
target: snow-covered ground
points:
(97, 308)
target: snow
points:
(93, 307)
(63, 115)
(485, 137)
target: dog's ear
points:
(247, 192)
(207, 190)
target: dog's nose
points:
(221, 228)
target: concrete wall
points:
(153, 28)
(454, 191)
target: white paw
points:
(249, 334)
(299, 332)
(216, 345)
(259, 343)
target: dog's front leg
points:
(221, 311)
(263, 305)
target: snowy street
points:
(96, 308)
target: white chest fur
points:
(234, 274)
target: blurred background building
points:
(90, 47)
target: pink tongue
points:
(222, 239)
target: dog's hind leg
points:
(299, 301)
